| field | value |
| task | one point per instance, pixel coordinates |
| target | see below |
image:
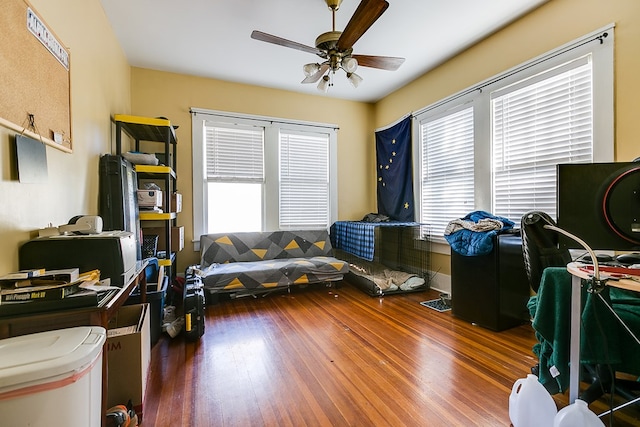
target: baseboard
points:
(440, 282)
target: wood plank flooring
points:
(337, 357)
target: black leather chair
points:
(540, 246)
(540, 250)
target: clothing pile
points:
(472, 235)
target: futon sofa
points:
(251, 262)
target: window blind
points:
(304, 180)
(234, 153)
(536, 125)
(447, 170)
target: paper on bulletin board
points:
(35, 94)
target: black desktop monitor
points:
(600, 203)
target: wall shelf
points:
(157, 216)
(155, 170)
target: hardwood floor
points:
(338, 357)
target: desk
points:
(577, 274)
(85, 316)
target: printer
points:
(111, 252)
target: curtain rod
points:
(598, 35)
(392, 124)
(272, 120)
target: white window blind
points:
(555, 108)
(234, 153)
(537, 124)
(304, 180)
(447, 169)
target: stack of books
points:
(38, 290)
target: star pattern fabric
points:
(394, 180)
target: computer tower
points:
(491, 290)
(118, 200)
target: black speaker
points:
(118, 202)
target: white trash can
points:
(53, 378)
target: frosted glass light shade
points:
(323, 85)
(310, 69)
(354, 79)
(350, 64)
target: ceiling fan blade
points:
(366, 14)
(314, 78)
(259, 35)
(382, 62)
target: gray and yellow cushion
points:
(259, 246)
(265, 260)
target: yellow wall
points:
(550, 26)
(155, 93)
(103, 84)
(100, 86)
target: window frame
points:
(438, 115)
(272, 127)
(595, 43)
(317, 137)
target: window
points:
(495, 146)
(235, 176)
(537, 125)
(304, 180)
(447, 166)
(257, 173)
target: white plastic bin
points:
(52, 378)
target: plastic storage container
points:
(530, 404)
(577, 414)
(52, 379)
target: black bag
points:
(375, 217)
(194, 307)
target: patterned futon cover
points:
(264, 260)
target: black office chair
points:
(540, 250)
(540, 246)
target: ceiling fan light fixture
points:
(336, 47)
(350, 64)
(354, 79)
(310, 69)
(323, 84)
(333, 4)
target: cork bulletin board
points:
(35, 79)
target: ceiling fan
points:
(336, 47)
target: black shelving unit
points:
(161, 131)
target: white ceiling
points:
(211, 38)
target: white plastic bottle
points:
(577, 414)
(530, 404)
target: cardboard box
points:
(176, 202)
(177, 237)
(150, 198)
(128, 356)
